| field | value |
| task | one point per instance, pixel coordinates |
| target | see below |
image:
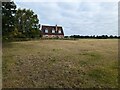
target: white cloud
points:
(85, 18)
(66, 0)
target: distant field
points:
(83, 63)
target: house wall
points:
(53, 36)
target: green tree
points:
(8, 13)
(27, 23)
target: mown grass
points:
(61, 64)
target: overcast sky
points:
(78, 17)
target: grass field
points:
(84, 63)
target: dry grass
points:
(61, 63)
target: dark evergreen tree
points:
(8, 12)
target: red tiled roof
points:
(50, 28)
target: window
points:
(53, 31)
(46, 30)
(59, 31)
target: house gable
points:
(55, 31)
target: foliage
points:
(8, 12)
(93, 37)
(21, 23)
(26, 24)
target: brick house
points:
(52, 31)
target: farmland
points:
(84, 63)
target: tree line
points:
(93, 36)
(19, 23)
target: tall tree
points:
(27, 23)
(8, 12)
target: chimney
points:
(56, 27)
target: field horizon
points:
(83, 63)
